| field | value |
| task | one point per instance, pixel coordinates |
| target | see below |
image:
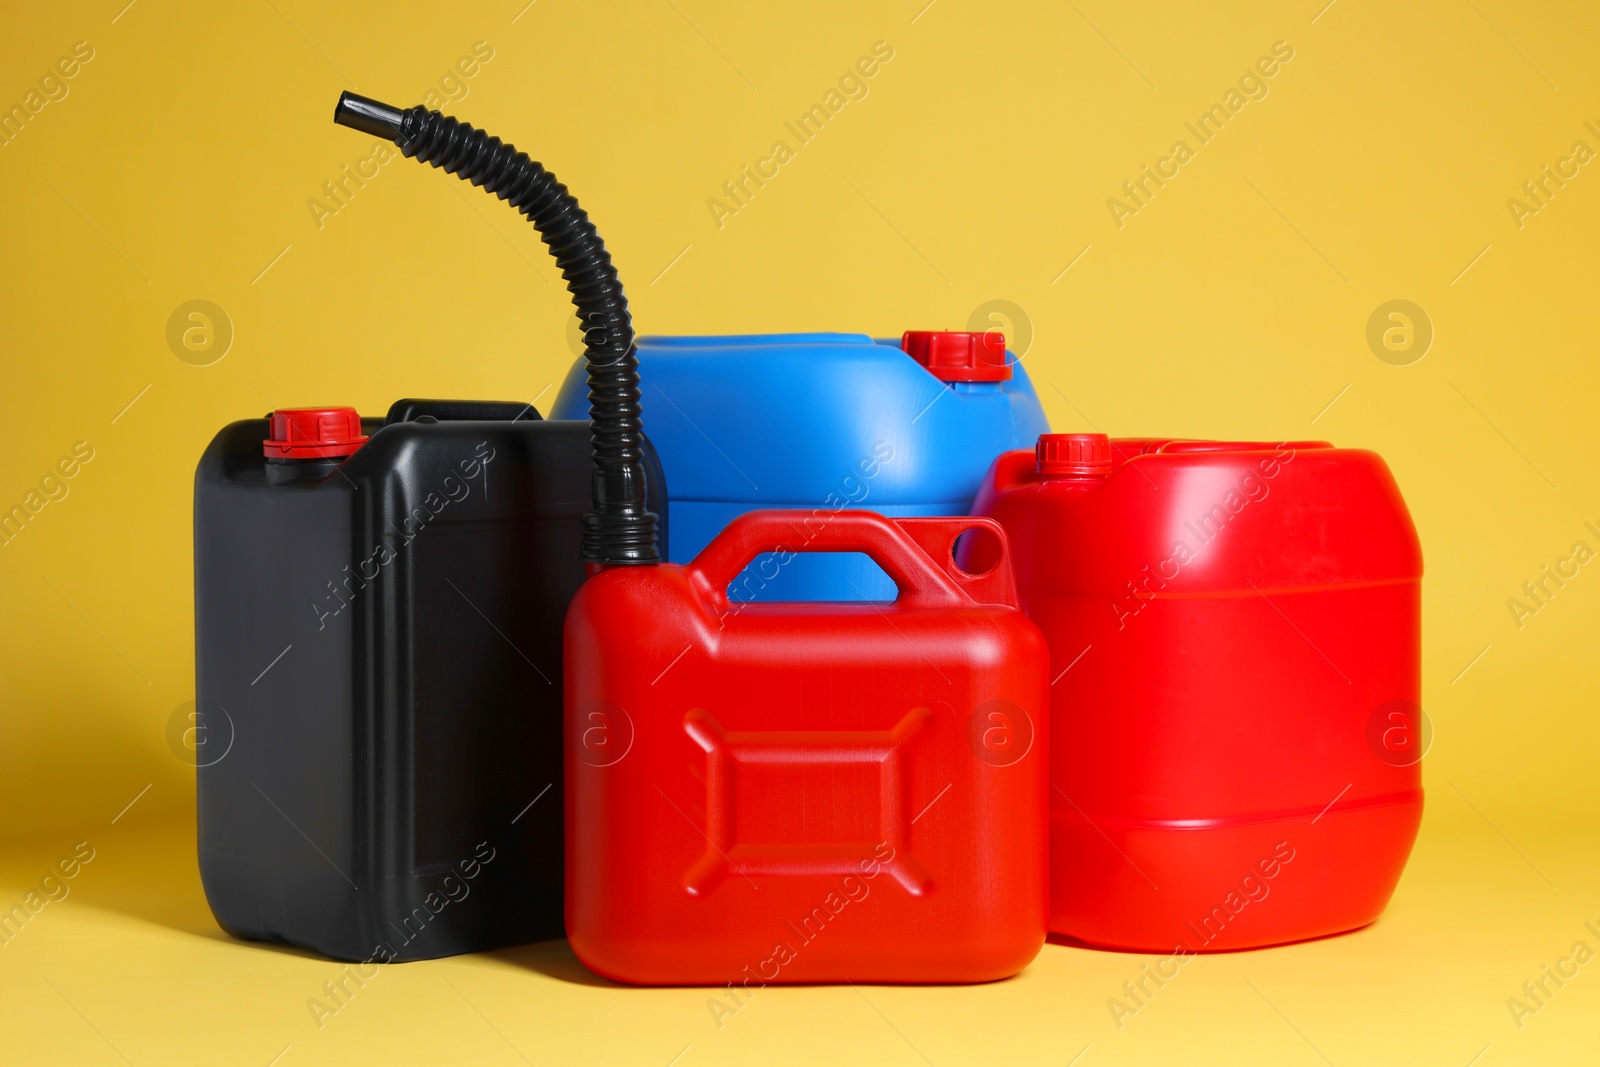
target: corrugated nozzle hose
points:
(620, 530)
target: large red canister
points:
(1234, 641)
(767, 793)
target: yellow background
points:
(978, 167)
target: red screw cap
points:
(1082, 455)
(959, 357)
(313, 433)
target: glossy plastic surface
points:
(779, 792)
(1234, 639)
(958, 355)
(820, 421)
(378, 679)
(313, 433)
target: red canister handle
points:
(917, 553)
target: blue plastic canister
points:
(822, 422)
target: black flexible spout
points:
(619, 529)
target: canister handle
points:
(916, 553)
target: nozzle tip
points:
(368, 116)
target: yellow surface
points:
(181, 161)
(130, 962)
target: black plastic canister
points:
(378, 611)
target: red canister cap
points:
(313, 433)
(954, 356)
(1084, 455)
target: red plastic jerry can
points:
(1234, 631)
(807, 792)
